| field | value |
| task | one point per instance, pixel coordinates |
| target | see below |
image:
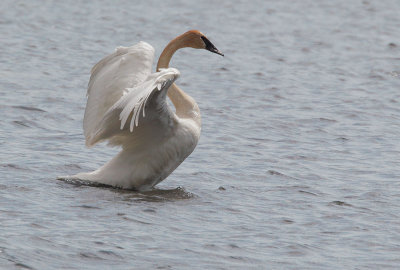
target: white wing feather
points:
(126, 68)
(146, 107)
(136, 98)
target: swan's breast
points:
(174, 150)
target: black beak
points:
(210, 47)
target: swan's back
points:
(110, 77)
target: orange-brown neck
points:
(188, 39)
(185, 105)
(166, 55)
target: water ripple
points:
(297, 166)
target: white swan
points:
(127, 106)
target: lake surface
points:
(298, 165)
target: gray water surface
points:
(298, 165)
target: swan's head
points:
(198, 40)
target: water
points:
(297, 167)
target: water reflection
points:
(153, 195)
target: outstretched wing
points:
(141, 114)
(127, 67)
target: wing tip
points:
(90, 141)
(89, 144)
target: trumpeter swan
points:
(127, 106)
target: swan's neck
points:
(185, 105)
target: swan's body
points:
(127, 106)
